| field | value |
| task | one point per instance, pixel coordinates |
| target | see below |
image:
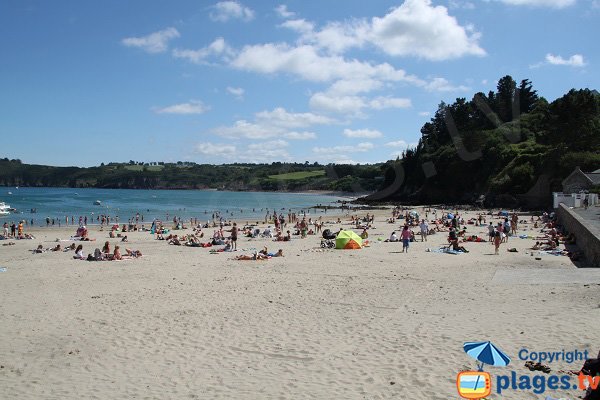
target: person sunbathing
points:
(79, 253)
(456, 247)
(133, 253)
(278, 254)
(39, 249)
(58, 247)
(106, 248)
(117, 254)
(175, 241)
(255, 256)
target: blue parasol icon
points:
(486, 353)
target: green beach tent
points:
(348, 240)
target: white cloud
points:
(359, 148)
(237, 92)
(442, 85)
(283, 12)
(217, 48)
(397, 143)
(467, 5)
(218, 150)
(306, 62)
(573, 61)
(226, 10)
(424, 114)
(298, 25)
(157, 42)
(300, 135)
(281, 118)
(192, 107)
(353, 105)
(275, 123)
(252, 153)
(380, 103)
(541, 3)
(337, 104)
(363, 133)
(417, 28)
(354, 86)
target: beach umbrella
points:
(503, 213)
(486, 353)
(450, 215)
(348, 240)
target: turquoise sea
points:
(161, 204)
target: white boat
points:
(4, 209)
(97, 203)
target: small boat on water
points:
(4, 209)
(97, 203)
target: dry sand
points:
(180, 323)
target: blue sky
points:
(85, 82)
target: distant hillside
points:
(186, 175)
(510, 145)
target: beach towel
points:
(445, 250)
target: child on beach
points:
(405, 235)
(497, 240)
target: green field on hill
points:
(292, 176)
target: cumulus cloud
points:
(192, 107)
(225, 10)
(541, 3)
(282, 118)
(238, 93)
(379, 103)
(298, 25)
(362, 133)
(157, 42)
(359, 148)
(443, 85)
(217, 48)
(306, 62)
(397, 143)
(300, 135)
(332, 102)
(415, 28)
(278, 123)
(573, 61)
(212, 149)
(283, 12)
(252, 153)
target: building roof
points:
(594, 177)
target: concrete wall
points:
(587, 235)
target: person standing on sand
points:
(405, 235)
(491, 233)
(497, 240)
(234, 236)
(424, 230)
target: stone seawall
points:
(587, 233)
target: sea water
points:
(59, 203)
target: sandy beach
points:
(374, 323)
